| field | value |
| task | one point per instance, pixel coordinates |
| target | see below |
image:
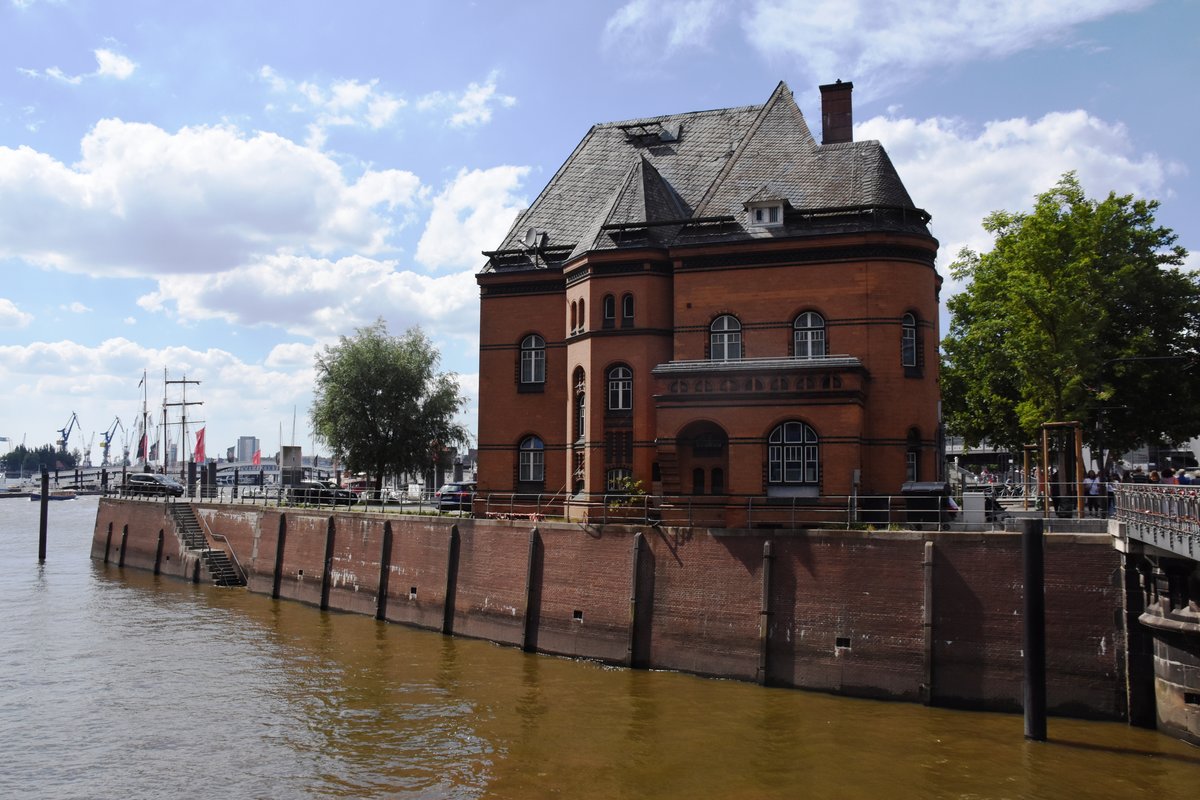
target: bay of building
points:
(118, 684)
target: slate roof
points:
(640, 182)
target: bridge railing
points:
(1165, 516)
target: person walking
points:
(1091, 491)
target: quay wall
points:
(908, 615)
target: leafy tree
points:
(29, 460)
(1079, 312)
(380, 404)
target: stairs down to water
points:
(220, 567)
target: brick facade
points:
(701, 311)
(845, 610)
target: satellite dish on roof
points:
(534, 238)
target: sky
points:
(222, 189)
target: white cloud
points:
(143, 201)
(114, 65)
(961, 174)
(291, 354)
(130, 321)
(471, 215)
(472, 106)
(656, 30)
(100, 382)
(11, 316)
(320, 298)
(109, 64)
(344, 103)
(880, 42)
(76, 308)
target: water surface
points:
(115, 683)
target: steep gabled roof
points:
(626, 179)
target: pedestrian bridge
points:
(1162, 516)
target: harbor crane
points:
(87, 450)
(65, 430)
(108, 437)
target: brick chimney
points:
(837, 116)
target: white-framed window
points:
(908, 341)
(766, 215)
(610, 311)
(531, 460)
(725, 339)
(620, 389)
(533, 359)
(615, 480)
(793, 455)
(809, 335)
(911, 462)
(627, 310)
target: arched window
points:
(531, 461)
(809, 335)
(533, 359)
(620, 389)
(610, 311)
(574, 316)
(698, 480)
(582, 315)
(793, 455)
(627, 311)
(725, 339)
(908, 341)
(580, 405)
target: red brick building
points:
(714, 303)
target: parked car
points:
(322, 493)
(151, 485)
(459, 495)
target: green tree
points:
(1079, 312)
(380, 404)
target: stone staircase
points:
(220, 567)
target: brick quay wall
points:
(908, 615)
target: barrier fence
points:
(1164, 516)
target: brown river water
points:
(118, 684)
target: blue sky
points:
(221, 189)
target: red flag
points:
(257, 460)
(141, 453)
(200, 445)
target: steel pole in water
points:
(45, 498)
(1034, 629)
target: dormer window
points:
(764, 215)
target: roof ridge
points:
(660, 117)
(781, 91)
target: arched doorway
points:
(703, 449)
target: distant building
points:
(714, 303)
(246, 447)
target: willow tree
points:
(382, 406)
(1078, 312)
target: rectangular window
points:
(533, 366)
(533, 468)
(910, 469)
(908, 347)
(726, 346)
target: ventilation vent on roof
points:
(648, 134)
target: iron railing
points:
(1162, 515)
